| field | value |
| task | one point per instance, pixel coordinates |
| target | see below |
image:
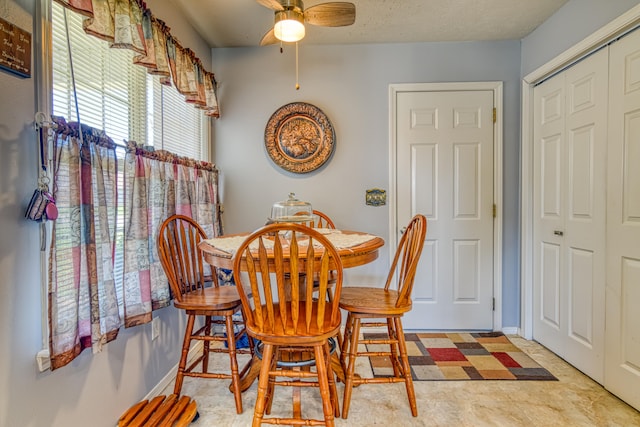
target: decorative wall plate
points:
(299, 137)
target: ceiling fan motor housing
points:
(296, 5)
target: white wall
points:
(94, 389)
(350, 83)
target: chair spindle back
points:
(279, 260)
(405, 261)
(180, 256)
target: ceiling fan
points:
(290, 17)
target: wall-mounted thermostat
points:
(376, 197)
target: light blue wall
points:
(95, 389)
(350, 83)
(573, 22)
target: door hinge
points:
(495, 115)
(495, 210)
(493, 305)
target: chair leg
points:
(263, 384)
(344, 348)
(272, 380)
(353, 350)
(235, 376)
(332, 382)
(206, 345)
(323, 383)
(185, 352)
(393, 347)
(406, 368)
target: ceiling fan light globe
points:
(289, 26)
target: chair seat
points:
(371, 301)
(303, 337)
(210, 299)
(172, 410)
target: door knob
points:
(403, 230)
(558, 233)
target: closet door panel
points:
(585, 221)
(622, 362)
(550, 286)
(582, 173)
(582, 287)
(548, 149)
(569, 205)
(631, 177)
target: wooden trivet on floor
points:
(161, 411)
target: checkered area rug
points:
(461, 356)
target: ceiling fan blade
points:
(334, 14)
(271, 4)
(269, 38)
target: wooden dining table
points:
(355, 248)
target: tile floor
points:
(575, 400)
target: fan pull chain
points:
(297, 85)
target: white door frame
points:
(609, 32)
(496, 87)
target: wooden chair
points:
(320, 220)
(268, 265)
(200, 295)
(376, 304)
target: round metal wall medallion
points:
(299, 137)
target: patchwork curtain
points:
(158, 185)
(83, 306)
(86, 300)
(128, 24)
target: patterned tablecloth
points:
(339, 239)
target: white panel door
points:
(445, 171)
(548, 147)
(622, 371)
(570, 143)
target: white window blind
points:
(110, 89)
(178, 126)
(118, 96)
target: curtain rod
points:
(41, 122)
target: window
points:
(102, 87)
(127, 105)
(120, 97)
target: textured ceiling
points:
(234, 23)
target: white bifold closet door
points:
(622, 358)
(570, 151)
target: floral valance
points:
(128, 24)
